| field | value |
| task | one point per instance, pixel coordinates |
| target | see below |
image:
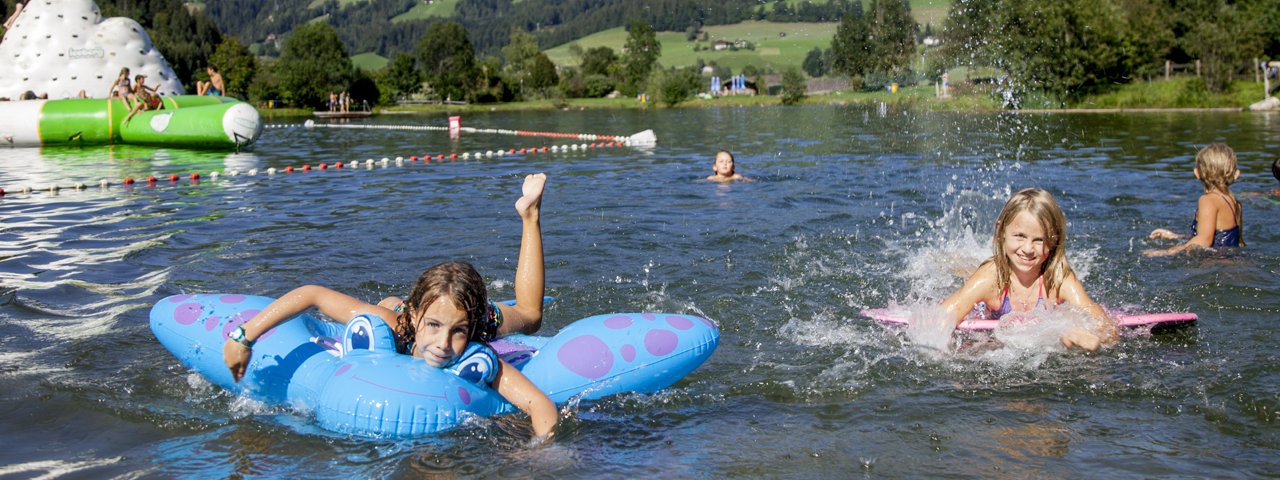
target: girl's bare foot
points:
(531, 200)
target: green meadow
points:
(427, 9)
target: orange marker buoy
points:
(337, 165)
(195, 176)
(128, 181)
(288, 169)
(173, 177)
(453, 155)
(306, 168)
(151, 179)
(324, 166)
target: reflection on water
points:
(853, 208)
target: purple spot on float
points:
(464, 395)
(680, 323)
(648, 316)
(231, 298)
(343, 369)
(587, 356)
(187, 313)
(628, 352)
(660, 342)
(180, 298)
(211, 323)
(709, 323)
(618, 322)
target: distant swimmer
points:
(724, 169)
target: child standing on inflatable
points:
(1218, 218)
(446, 319)
(723, 169)
(1029, 270)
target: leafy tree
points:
(544, 73)
(642, 52)
(599, 61)
(1224, 39)
(793, 87)
(401, 77)
(851, 47)
(312, 63)
(814, 63)
(520, 56)
(364, 89)
(892, 34)
(677, 85)
(596, 86)
(448, 61)
(237, 66)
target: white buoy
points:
(271, 171)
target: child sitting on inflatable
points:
(121, 88)
(723, 169)
(147, 98)
(1218, 218)
(1029, 270)
(445, 320)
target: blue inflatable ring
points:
(350, 378)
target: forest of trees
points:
(491, 51)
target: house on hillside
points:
(719, 45)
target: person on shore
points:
(1218, 221)
(214, 87)
(445, 320)
(723, 169)
(1029, 271)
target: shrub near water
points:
(1183, 92)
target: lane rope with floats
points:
(641, 139)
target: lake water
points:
(852, 207)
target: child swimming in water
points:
(1218, 218)
(446, 319)
(723, 169)
(1029, 270)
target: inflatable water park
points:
(68, 55)
(352, 380)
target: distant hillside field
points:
(426, 9)
(777, 45)
(369, 61)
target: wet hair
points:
(1275, 168)
(1216, 165)
(124, 71)
(1041, 205)
(457, 281)
(28, 95)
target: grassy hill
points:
(426, 9)
(777, 45)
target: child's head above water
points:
(1275, 169)
(1216, 167)
(1043, 211)
(724, 164)
(451, 288)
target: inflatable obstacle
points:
(184, 121)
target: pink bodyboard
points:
(902, 316)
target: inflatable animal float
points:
(353, 382)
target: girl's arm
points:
(975, 290)
(1206, 223)
(1072, 292)
(517, 389)
(336, 305)
(526, 315)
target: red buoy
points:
(288, 169)
(151, 179)
(324, 166)
(195, 176)
(128, 180)
(306, 168)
